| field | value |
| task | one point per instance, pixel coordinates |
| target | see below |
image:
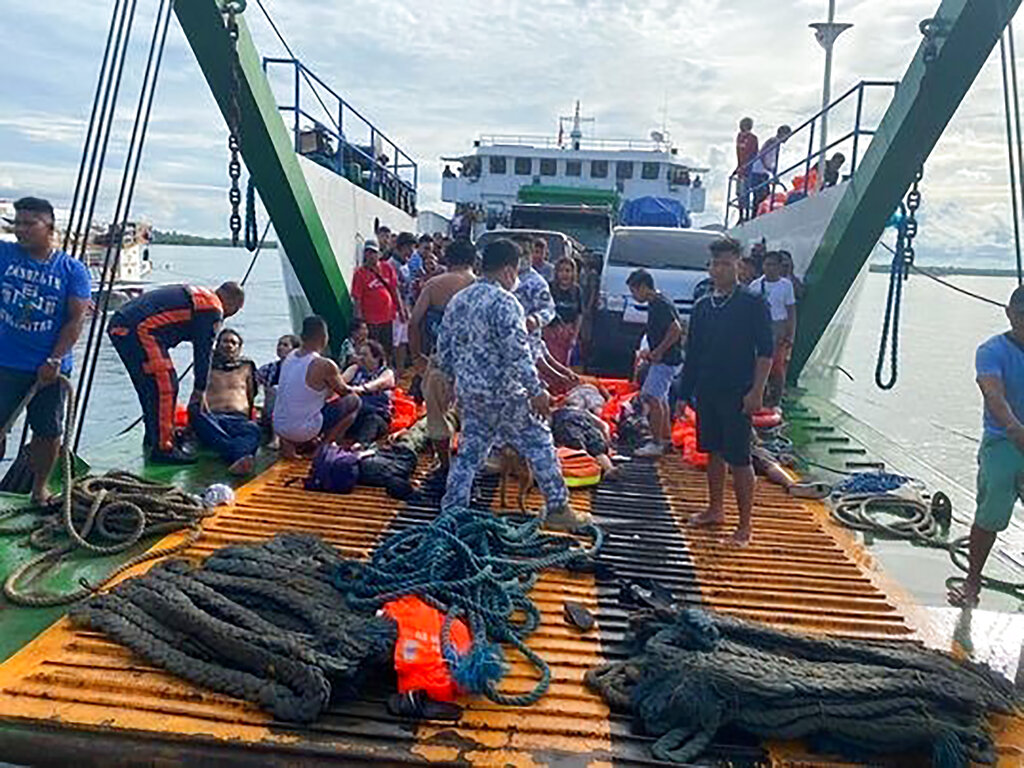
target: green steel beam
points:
(923, 104)
(269, 154)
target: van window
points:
(661, 249)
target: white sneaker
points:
(651, 449)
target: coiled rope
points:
(478, 566)
(692, 673)
(101, 515)
(261, 623)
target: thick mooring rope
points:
(261, 623)
(478, 566)
(101, 515)
(692, 673)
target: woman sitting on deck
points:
(373, 382)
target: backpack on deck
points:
(334, 470)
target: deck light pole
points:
(826, 33)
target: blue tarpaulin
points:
(653, 211)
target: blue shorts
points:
(659, 381)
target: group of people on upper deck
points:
(756, 177)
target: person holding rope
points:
(145, 329)
(999, 363)
(44, 297)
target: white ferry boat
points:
(503, 170)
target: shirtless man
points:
(423, 324)
(227, 426)
(303, 416)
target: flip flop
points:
(419, 706)
(810, 490)
(578, 616)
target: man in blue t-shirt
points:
(44, 296)
(999, 364)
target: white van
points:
(677, 259)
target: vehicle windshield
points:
(661, 249)
(590, 230)
(556, 245)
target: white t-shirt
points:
(779, 295)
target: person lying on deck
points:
(226, 425)
(580, 429)
(303, 415)
(373, 383)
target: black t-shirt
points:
(661, 313)
(725, 337)
(568, 303)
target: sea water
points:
(934, 411)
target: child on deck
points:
(268, 376)
(357, 336)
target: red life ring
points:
(766, 418)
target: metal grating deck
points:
(74, 696)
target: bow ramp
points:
(72, 695)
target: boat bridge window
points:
(598, 169)
(524, 166)
(548, 166)
(573, 168)
(650, 171)
(497, 165)
(623, 170)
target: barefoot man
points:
(999, 363)
(728, 358)
(226, 426)
(423, 327)
(304, 416)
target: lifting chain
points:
(910, 222)
(231, 9)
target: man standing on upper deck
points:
(746, 151)
(728, 357)
(999, 363)
(145, 329)
(44, 297)
(482, 346)
(766, 165)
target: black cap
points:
(1017, 298)
(34, 205)
(405, 238)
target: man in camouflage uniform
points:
(482, 345)
(534, 294)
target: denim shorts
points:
(659, 380)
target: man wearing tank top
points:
(304, 416)
(423, 325)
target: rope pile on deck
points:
(477, 566)
(102, 515)
(692, 673)
(261, 623)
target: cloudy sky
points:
(435, 75)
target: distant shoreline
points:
(955, 271)
(180, 238)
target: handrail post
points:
(856, 127)
(810, 151)
(728, 201)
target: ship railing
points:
(331, 132)
(867, 111)
(548, 142)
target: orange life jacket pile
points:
(684, 436)
(418, 660)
